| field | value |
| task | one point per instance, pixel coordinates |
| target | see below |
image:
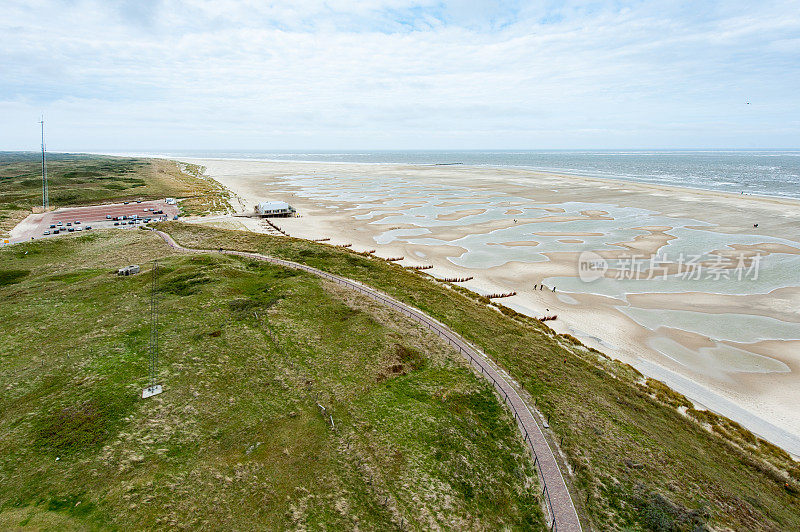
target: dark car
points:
(56, 232)
(71, 229)
(116, 223)
(88, 227)
(52, 226)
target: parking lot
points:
(78, 219)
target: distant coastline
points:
(764, 173)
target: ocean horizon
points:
(773, 173)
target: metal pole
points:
(154, 328)
(153, 387)
(45, 194)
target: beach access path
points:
(560, 510)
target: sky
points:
(153, 75)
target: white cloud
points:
(398, 74)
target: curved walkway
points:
(561, 514)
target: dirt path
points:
(561, 514)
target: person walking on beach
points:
(554, 289)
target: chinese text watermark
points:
(690, 267)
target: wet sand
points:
(512, 229)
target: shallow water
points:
(763, 172)
(388, 202)
(775, 271)
(743, 328)
(719, 359)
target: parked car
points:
(79, 228)
(108, 216)
(60, 224)
(56, 232)
(88, 227)
(47, 232)
(126, 202)
(77, 222)
(69, 224)
(116, 223)
(71, 229)
(52, 226)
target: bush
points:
(8, 277)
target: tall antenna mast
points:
(45, 192)
(152, 366)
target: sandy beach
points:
(691, 292)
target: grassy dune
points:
(237, 440)
(88, 179)
(641, 457)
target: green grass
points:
(78, 179)
(237, 440)
(639, 459)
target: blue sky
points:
(399, 74)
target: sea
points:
(764, 173)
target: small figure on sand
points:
(755, 225)
(554, 289)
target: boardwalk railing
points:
(566, 510)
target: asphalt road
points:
(560, 514)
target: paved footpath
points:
(560, 514)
